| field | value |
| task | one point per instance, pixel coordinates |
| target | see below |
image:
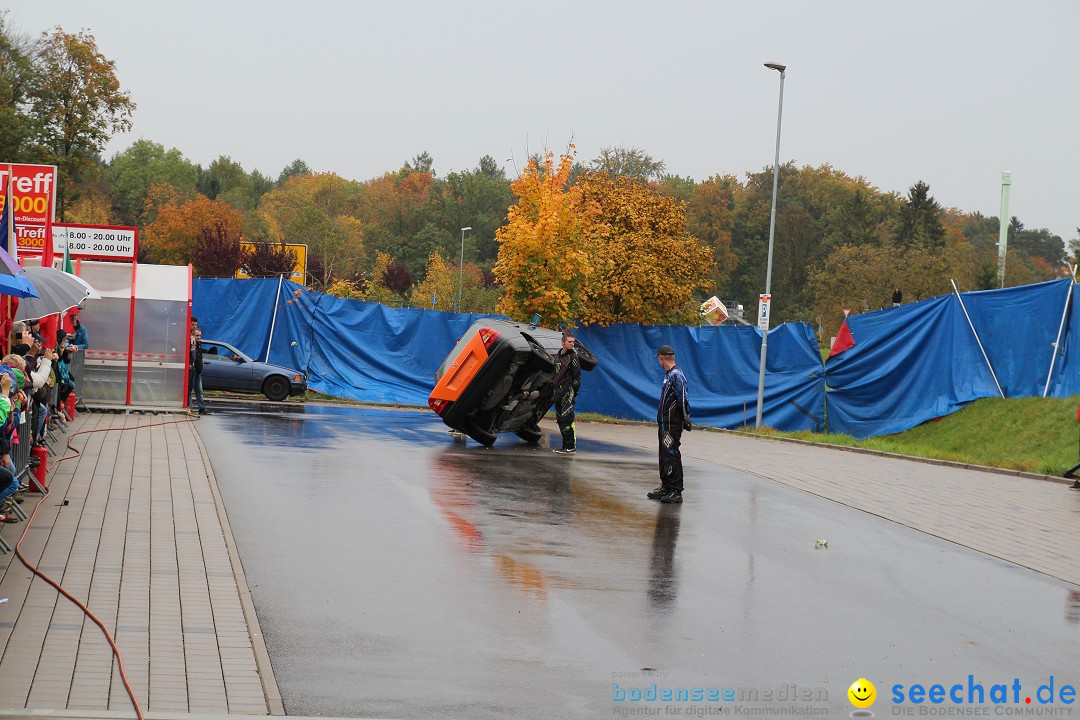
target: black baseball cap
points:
(665, 350)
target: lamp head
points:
(776, 66)
(465, 228)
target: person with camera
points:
(39, 362)
(672, 417)
(9, 482)
(65, 384)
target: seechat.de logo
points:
(862, 694)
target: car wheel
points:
(276, 388)
(531, 435)
(585, 356)
(539, 358)
(479, 434)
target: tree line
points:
(613, 239)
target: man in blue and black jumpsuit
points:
(672, 417)
(567, 381)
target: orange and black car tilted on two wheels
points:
(498, 379)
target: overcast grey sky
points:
(950, 92)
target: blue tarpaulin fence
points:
(921, 361)
(373, 353)
(721, 366)
(909, 364)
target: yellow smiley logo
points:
(862, 693)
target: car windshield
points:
(224, 350)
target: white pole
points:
(979, 342)
(273, 320)
(1061, 328)
(1003, 226)
(772, 233)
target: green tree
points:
(79, 103)
(403, 216)
(629, 163)
(1074, 248)
(921, 219)
(260, 184)
(678, 187)
(421, 163)
(862, 217)
(980, 230)
(96, 199)
(223, 175)
(1040, 243)
(819, 209)
(19, 79)
(478, 199)
(296, 167)
(855, 278)
(750, 236)
(135, 170)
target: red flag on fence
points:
(843, 340)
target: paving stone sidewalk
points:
(133, 527)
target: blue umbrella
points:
(12, 279)
(17, 285)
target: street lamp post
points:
(461, 269)
(764, 324)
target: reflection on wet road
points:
(399, 574)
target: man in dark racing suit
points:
(567, 381)
(672, 417)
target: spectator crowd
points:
(35, 382)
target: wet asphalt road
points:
(397, 573)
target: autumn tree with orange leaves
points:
(601, 251)
(646, 267)
(543, 255)
(172, 238)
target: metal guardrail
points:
(21, 456)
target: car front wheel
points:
(276, 388)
